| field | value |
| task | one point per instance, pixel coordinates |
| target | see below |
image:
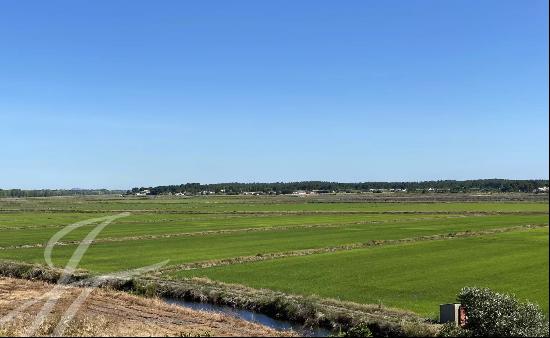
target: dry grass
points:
(112, 313)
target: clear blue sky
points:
(128, 93)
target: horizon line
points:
(282, 182)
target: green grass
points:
(416, 276)
(40, 219)
(410, 224)
(111, 256)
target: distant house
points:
(321, 192)
(143, 192)
(398, 190)
(377, 191)
(254, 193)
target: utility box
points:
(449, 313)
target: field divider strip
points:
(346, 247)
(267, 212)
(237, 217)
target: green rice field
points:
(406, 254)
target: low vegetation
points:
(492, 314)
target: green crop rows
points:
(415, 255)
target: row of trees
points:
(55, 192)
(490, 185)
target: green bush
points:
(360, 330)
(492, 314)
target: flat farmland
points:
(410, 253)
(415, 276)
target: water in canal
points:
(250, 316)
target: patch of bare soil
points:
(112, 313)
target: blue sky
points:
(128, 93)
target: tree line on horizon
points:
(56, 192)
(486, 185)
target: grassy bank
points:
(311, 311)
